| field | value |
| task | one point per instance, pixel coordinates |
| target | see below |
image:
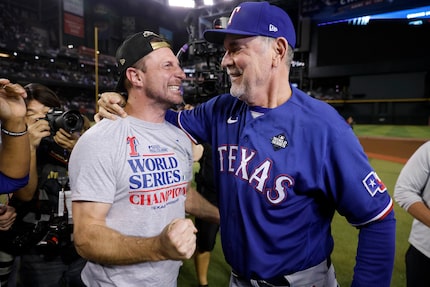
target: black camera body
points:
(205, 78)
(58, 235)
(70, 121)
(47, 236)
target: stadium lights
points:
(192, 3)
(182, 3)
(414, 14)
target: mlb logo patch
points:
(373, 184)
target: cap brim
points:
(217, 35)
(120, 85)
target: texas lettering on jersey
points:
(259, 173)
(156, 177)
(258, 176)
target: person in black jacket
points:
(207, 231)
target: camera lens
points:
(71, 121)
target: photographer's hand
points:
(37, 130)
(66, 140)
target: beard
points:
(238, 90)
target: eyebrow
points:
(34, 111)
(232, 44)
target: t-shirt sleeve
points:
(91, 170)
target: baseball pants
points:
(321, 275)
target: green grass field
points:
(345, 235)
(405, 131)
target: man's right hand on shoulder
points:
(111, 105)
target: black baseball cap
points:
(255, 19)
(133, 49)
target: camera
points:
(71, 121)
(205, 77)
(58, 235)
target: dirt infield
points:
(390, 148)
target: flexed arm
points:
(95, 241)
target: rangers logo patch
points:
(373, 184)
(279, 141)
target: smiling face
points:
(248, 61)
(161, 76)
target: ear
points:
(133, 76)
(280, 46)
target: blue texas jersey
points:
(281, 176)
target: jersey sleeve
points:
(358, 192)
(375, 253)
(196, 123)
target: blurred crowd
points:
(29, 53)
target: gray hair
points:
(290, 52)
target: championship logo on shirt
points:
(279, 141)
(156, 179)
(373, 184)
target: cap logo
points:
(235, 10)
(149, 33)
(273, 28)
(122, 61)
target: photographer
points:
(42, 231)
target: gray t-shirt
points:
(142, 169)
(413, 185)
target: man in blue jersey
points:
(284, 163)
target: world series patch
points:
(279, 141)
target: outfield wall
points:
(390, 148)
